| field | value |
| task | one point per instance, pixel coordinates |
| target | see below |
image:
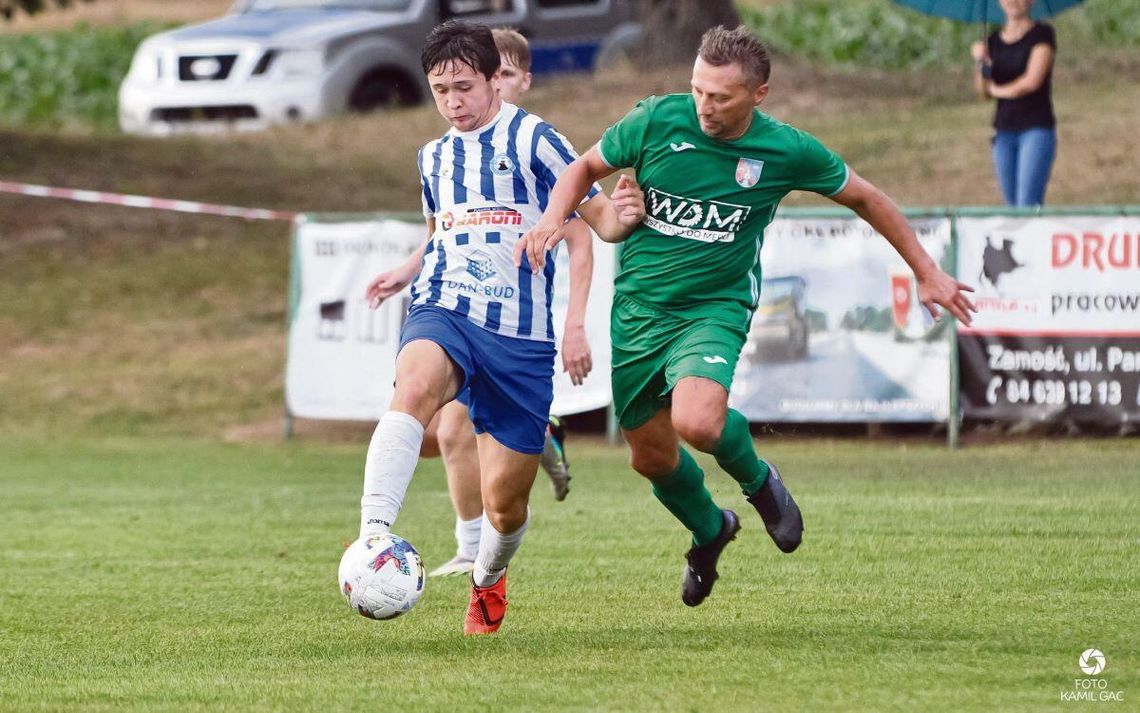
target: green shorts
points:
(653, 350)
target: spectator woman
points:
(1015, 66)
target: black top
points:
(1010, 62)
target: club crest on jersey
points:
(748, 172)
(480, 266)
(502, 165)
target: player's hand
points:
(938, 288)
(535, 244)
(629, 201)
(576, 359)
(387, 284)
(979, 51)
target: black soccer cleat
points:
(700, 573)
(779, 511)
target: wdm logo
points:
(1092, 662)
(708, 221)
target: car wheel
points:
(798, 348)
(383, 89)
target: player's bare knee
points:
(505, 519)
(415, 395)
(699, 429)
(454, 437)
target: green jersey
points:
(697, 254)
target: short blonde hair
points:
(512, 44)
(721, 46)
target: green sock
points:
(684, 493)
(734, 453)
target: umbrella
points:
(986, 11)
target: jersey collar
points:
(503, 110)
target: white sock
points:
(496, 551)
(392, 457)
(467, 536)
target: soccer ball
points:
(381, 576)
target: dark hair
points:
(461, 42)
(721, 46)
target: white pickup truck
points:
(279, 61)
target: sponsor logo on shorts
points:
(717, 359)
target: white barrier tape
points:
(28, 189)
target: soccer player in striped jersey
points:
(450, 434)
(479, 328)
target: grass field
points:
(163, 550)
(162, 575)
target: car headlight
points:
(147, 65)
(299, 64)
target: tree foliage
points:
(9, 8)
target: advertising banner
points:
(839, 334)
(342, 354)
(594, 393)
(1057, 335)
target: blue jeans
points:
(1023, 160)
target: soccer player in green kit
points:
(713, 168)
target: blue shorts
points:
(508, 383)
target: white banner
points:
(595, 392)
(342, 355)
(1059, 275)
(1057, 335)
(839, 334)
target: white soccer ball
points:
(381, 576)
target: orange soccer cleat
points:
(487, 607)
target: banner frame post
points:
(613, 432)
(954, 420)
(292, 297)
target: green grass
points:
(154, 575)
(67, 79)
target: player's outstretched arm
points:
(576, 358)
(393, 281)
(935, 287)
(613, 218)
(566, 196)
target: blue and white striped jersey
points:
(486, 188)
